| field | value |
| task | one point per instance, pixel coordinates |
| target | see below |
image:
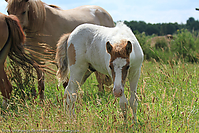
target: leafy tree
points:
(162, 28)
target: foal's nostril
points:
(117, 92)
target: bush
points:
(161, 43)
(142, 38)
(185, 46)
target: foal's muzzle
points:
(118, 91)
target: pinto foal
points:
(114, 52)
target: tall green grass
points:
(184, 46)
(168, 102)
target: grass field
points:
(168, 102)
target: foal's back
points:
(92, 37)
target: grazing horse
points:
(11, 44)
(45, 24)
(112, 51)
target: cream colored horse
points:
(112, 51)
(44, 23)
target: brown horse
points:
(45, 24)
(11, 44)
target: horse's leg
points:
(133, 80)
(65, 83)
(40, 77)
(102, 79)
(76, 77)
(124, 105)
(5, 86)
(86, 75)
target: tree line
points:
(162, 28)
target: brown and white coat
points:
(114, 52)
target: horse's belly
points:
(99, 66)
(101, 69)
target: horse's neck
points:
(136, 56)
(51, 30)
(59, 19)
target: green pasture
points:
(167, 95)
(167, 102)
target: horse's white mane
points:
(121, 25)
(122, 31)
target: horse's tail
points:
(61, 58)
(17, 38)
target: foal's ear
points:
(6, 0)
(128, 47)
(109, 47)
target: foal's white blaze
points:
(118, 87)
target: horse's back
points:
(85, 34)
(90, 14)
(4, 33)
(82, 36)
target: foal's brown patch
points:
(71, 54)
(120, 50)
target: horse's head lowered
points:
(119, 64)
(29, 12)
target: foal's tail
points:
(61, 58)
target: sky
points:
(150, 11)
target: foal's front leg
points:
(124, 105)
(133, 80)
(76, 75)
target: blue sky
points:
(150, 11)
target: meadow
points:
(167, 96)
(167, 102)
